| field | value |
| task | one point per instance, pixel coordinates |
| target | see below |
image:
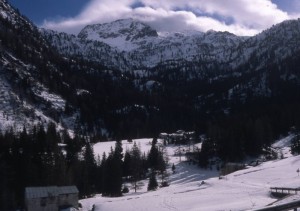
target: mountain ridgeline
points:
(126, 80)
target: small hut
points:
(51, 198)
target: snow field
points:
(242, 190)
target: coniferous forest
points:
(45, 157)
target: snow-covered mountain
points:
(130, 44)
(123, 34)
(270, 46)
(73, 46)
(141, 46)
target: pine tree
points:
(295, 145)
(105, 174)
(127, 164)
(173, 168)
(136, 164)
(153, 160)
(72, 148)
(41, 139)
(52, 138)
(117, 169)
(152, 185)
(112, 172)
(89, 167)
(162, 165)
(118, 153)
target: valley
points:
(65, 99)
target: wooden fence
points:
(280, 191)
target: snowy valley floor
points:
(242, 190)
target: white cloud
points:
(247, 17)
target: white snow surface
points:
(242, 190)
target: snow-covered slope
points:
(25, 57)
(242, 190)
(73, 46)
(16, 111)
(270, 46)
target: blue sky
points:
(242, 17)
(40, 10)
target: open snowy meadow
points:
(192, 188)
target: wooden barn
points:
(51, 198)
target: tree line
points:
(45, 157)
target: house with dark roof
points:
(51, 198)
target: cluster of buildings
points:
(179, 137)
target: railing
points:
(286, 206)
(286, 191)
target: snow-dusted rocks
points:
(123, 34)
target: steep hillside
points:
(31, 75)
(73, 46)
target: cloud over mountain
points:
(241, 17)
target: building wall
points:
(42, 204)
(52, 204)
(68, 199)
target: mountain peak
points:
(123, 30)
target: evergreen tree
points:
(162, 165)
(127, 164)
(98, 175)
(136, 164)
(152, 185)
(117, 169)
(73, 147)
(105, 174)
(112, 175)
(118, 153)
(295, 145)
(52, 137)
(41, 139)
(173, 168)
(153, 156)
(89, 167)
